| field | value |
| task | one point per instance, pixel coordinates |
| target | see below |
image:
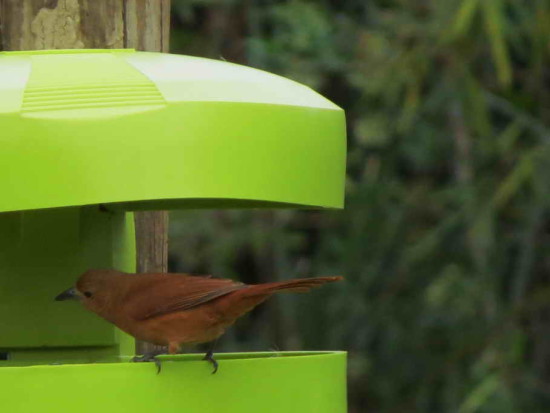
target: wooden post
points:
(152, 251)
(97, 24)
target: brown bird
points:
(175, 309)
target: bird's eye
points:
(87, 294)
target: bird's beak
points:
(69, 294)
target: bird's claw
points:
(148, 358)
(210, 357)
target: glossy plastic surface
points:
(256, 382)
(42, 253)
(148, 130)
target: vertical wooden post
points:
(152, 251)
(74, 24)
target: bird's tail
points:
(301, 285)
(243, 300)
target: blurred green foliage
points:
(444, 241)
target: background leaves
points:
(444, 241)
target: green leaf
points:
(464, 17)
(480, 394)
(522, 172)
(509, 136)
(494, 23)
(478, 109)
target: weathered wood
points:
(152, 241)
(62, 24)
(142, 28)
(152, 251)
(72, 24)
(109, 24)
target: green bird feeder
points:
(87, 137)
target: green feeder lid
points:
(158, 131)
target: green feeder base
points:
(305, 382)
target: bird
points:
(172, 309)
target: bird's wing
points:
(155, 295)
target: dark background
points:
(444, 241)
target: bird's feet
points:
(210, 357)
(149, 357)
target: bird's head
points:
(94, 289)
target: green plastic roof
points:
(157, 131)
